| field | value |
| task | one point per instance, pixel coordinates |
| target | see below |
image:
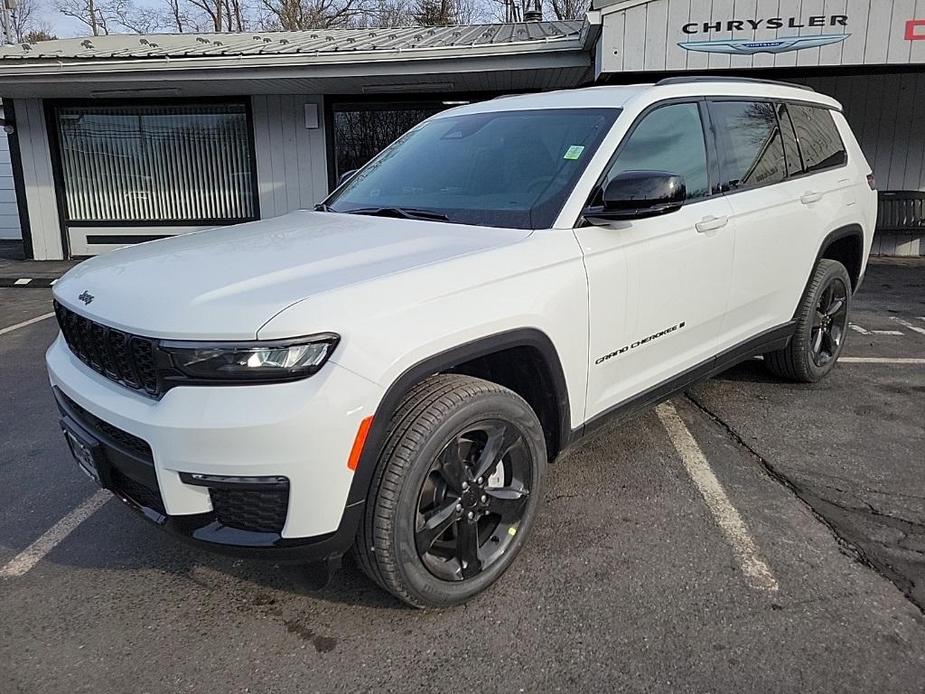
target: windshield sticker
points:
(574, 152)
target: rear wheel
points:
(455, 491)
(822, 324)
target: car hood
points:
(225, 283)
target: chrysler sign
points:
(781, 44)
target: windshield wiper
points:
(403, 212)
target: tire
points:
(417, 526)
(821, 327)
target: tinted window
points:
(669, 139)
(500, 168)
(819, 140)
(794, 162)
(751, 152)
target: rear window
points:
(820, 143)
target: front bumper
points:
(301, 431)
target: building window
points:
(362, 130)
(157, 164)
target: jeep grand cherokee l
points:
(391, 372)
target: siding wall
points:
(38, 181)
(645, 35)
(9, 214)
(292, 168)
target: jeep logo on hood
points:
(86, 297)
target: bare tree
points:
(89, 13)
(434, 12)
(140, 20)
(296, 15)
(568, 9)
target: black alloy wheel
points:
(473, 500)
(830, 323)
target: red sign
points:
(915, 30)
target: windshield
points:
(502, 169)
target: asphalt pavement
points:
(636, 577)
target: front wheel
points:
(455, 492)
(822, 324)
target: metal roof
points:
(327, 42)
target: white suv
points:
(392, 371)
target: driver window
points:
(668, 139)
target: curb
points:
(28, 282)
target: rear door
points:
(658, 286)
(780, 175)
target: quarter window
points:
(820, 143)
(669, 139)
(751, 151)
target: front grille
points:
(141, 494)
(246, 509)
(123, 439)
(121, 357)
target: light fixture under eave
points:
(455, 103)
(154, 91)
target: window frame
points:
(786, 102)
(709, 141)
(57, 165)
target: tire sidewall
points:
(417, 578)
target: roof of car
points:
(621, 96)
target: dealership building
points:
(119, 139)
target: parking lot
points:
(751, 535)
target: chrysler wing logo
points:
(751, 46)
(86, 297)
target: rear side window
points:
(669, 139)
(820, 142)
(791, 148)
(751, 153)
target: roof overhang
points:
(551, 63)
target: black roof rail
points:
(722, 78)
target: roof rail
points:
(750, 80)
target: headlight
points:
(280, 360)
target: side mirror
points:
(346, 176)
(639, 194)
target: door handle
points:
(711, 223)
(810, 196)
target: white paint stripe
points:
(887, 332)
(757, 572)
(881, 360)
(22, 282)
(858, 329)
(4, 331)
(31, 556)
(907, 324)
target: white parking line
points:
(31, 555)
(858, 329)
(22, 282)
(882, 360)
(757, 572)
(17, 326)
(907, 324)
(886, 332)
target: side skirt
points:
(768, 341)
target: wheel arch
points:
(846, 245)
(470, 358)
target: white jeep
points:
(392, 371)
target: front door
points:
(658, 287)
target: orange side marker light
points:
(358, 443)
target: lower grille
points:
(123, 439)
(255, 510)
(141, 494)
